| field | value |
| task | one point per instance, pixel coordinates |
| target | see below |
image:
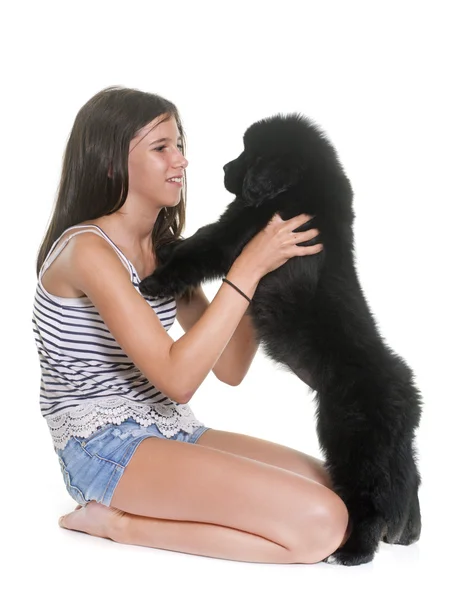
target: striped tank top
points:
(87, 380)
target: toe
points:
(66, 520)
(62, 521)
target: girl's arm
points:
(237, 356)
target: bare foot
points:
(94, 519)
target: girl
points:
(218, 494)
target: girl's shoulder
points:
(56, 277)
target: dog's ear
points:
(267, 178)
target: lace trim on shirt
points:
(83, 420)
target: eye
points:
(161, 148)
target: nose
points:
(182, 161)
(226, 167)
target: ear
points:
(109, 172)
(267, 178)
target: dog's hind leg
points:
(361, 545)
(411, 531)
(402, 514)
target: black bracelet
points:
(237, 289)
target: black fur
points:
(310, 315)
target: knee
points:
(330, 527)
(326, 529)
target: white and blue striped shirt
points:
(87, 380)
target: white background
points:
(376, 76)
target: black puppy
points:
(311, 316)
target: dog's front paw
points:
(166, 251)
(160, 284)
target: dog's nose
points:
(226, 167)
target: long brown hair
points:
(100, 139)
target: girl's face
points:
(155, 156)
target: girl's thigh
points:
(167, 479)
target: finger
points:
(303, 236)
(297, 221)
(299, 237)
(310, 249)
(304, 217)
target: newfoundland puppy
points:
(311, 316)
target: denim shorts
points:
(93, 466)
